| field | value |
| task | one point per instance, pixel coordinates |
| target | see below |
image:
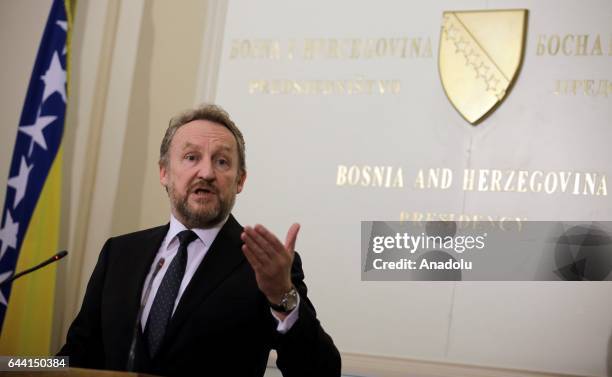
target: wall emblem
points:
(479, 58)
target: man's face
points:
(202, 175)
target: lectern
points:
(76, 372)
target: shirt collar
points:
(207, 236)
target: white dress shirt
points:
(196, 251)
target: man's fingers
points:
(253, 261)
(271, 239)
(258, 243)
(255, 250)
(292, 237)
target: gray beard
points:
(203, 218)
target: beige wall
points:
(299, 139)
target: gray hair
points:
(206, 111)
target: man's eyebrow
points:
(189, 145)
(224, 147)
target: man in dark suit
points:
(201, 295)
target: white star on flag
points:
(20, 181)
(3, 277)
(35, 131)
(8, 234)
(55, 79)
(64, 26)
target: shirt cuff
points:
(284, 325)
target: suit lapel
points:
(140, 265)
(222, 258)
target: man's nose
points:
(206, 170)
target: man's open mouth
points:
(202, 191)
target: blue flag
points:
(38, 141)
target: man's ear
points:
(163, 175)
(241, 178)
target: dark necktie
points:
(163, 304)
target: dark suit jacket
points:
(222, 325)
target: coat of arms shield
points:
(479, 58)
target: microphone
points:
(132, 354)
(54, 258)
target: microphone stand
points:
(54, 258)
